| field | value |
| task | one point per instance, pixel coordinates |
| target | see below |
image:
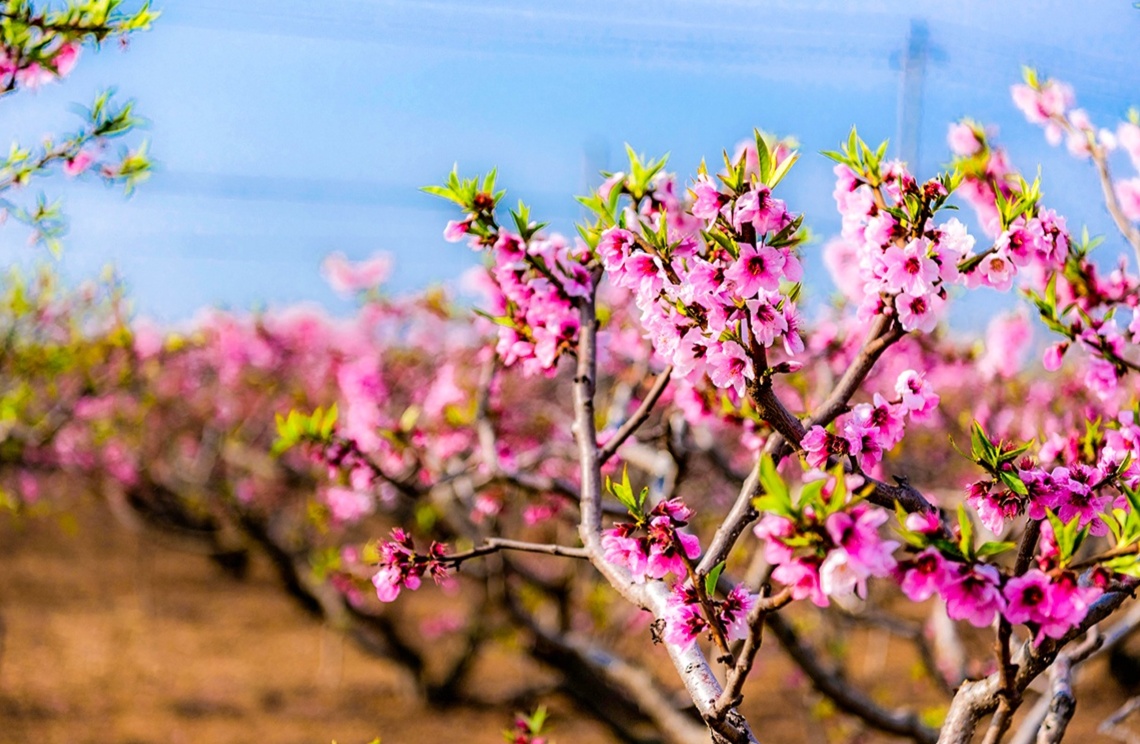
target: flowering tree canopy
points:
(648, 433)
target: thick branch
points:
(689, 661)
(1062, 702)
(977, 699)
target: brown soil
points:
(111, 637)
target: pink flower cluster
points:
(882, 261)
(872, 428)
(654, 547)
(845, 551)
(978, 593)
(684, 621)
(1071, 492)
(401, 568)
(705, 307)
(538, 283)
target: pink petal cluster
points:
(684, 621)
(702, 307)
(846, 551)
(401, 568)
(653, 548)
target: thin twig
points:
(638, 418)
(495, 544)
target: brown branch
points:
(1095, 645)
(638, 418)
(1062, 702)
(689, 661)
(734, 685)
(1111, 725)
(1010, 694)
(789, 432)
(979, 698)
(847, 698)
(495, 544)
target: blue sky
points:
(286, 129)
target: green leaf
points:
(1013, 483)
(764, 157)
(712, 578)
(994, 548)
(811, 494)
(774, 485)
(329, 422)
(623, 492)
(839, 491)
(966, 541)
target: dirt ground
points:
(110, 637)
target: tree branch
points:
(495, 544)
(638, 418)
(846, 698)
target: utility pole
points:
(911, 62)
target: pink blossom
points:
(1128, 137)
(756, 269)
(772, 528)
(884, 417)
(972, 593)
(666, 545)
(1027, 597)
(925, 522)
(347, 505)
(857, 534)
(839, 576)
(1053, 354)
(346, 277)
(923, 575)
(456, 230)
(1067, 607)
(997, 271)
(388, 583)
(622, 550)
(79, 163)
(820, 444)
(917, 394)
(758, 208)
(803, 578)
(614, 247)
(863, 440)
(994, 505)
(1007, 340)
(734, 611)
(682, 616)
(909, 269)
(918, 313)
(1051, 99)
(729, 366)
(708, 199)
(767, 323)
